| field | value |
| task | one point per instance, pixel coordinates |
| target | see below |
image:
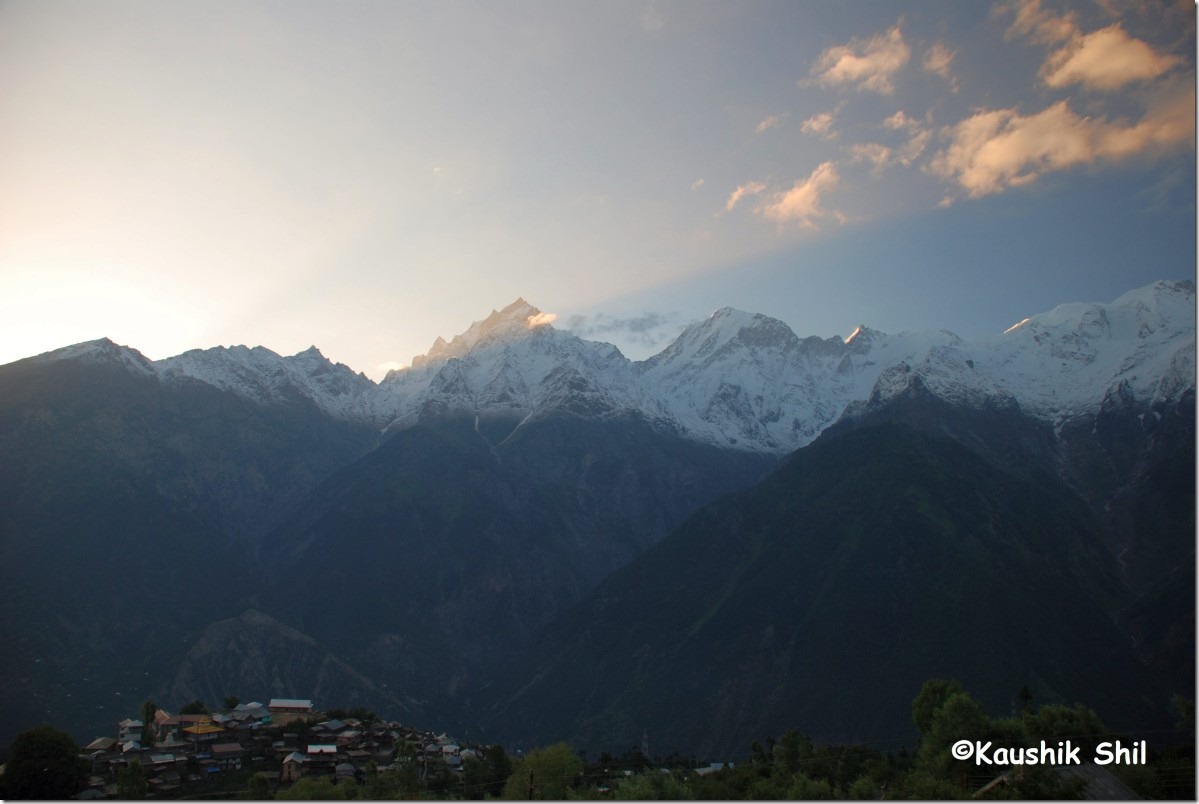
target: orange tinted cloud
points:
(751, 188)
(1105, 59)
(802, 203)
(870, 64)
(997, 149)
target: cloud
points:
(868, 65)
(769, 121)
(1037, 23)
(820, 125)
(750, 188)
(695, 185)
(876, 153)
(647, 330)
(1105, 59)
(540, 320)
(652, 19)
(383, 369)
(900, 120)
(802, 203)
(937, 60)
(995, 150)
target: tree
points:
(43, 763)
(149, 709)
(547, 773)
(259, 788)
(194, 708)
(132, 783)
(231, 701)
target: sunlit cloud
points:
(768, 122)
(900, 120)
(994, 150)
(937, 60)
(802, 203)
(869, 64)
(820, 125)
(695, 185)
(1105, 59)
(540, 320)
(875, 153)
(383, 369)
(750, 188)
(1035, 22)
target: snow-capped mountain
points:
(1064, 363)
(263, 376)
(737, 379)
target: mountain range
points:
(527, 536)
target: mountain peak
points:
(100, 350)
(514, 321)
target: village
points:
(280, 742)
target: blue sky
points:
(366, 176)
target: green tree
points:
(547, 773)
(231, 701)
(194, 708)
(932, 696)
(43, 763)
(259, 788)
(652, 786)
(131, 782)
(322, 789)
(149, 709)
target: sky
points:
(367, 176)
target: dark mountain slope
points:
(823, 597)
(128, 510)
(438, 555)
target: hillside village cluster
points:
(195, 750)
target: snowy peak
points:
(722, 333)
(519, 319)
(262, 375)
(103, 351)
(1065, 362)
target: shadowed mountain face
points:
(439, 555)
(884, 554)
(129, 515)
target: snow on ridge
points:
(736, 379)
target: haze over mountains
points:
(529, 537)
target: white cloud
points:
(750, 188)
(695, 185)
(1105, 59)
(540, 320)
(802, 203)
(1035, 22)
(652, 19)
(900, 120)
(875, 153)
(937, 60)
(770, 121)
(869, 65)
(820, 125)
(998, 149)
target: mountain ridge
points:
(736, 379)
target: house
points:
(322, 758)
(129, 729)
(285, 710)
(294, 765)
(228, 756)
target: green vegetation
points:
(42, 764)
